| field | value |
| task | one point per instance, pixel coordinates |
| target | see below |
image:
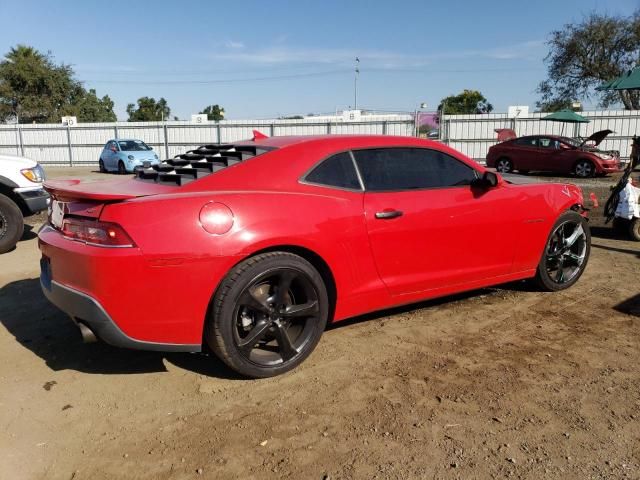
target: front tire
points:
(11, 224)
(121, 168)
(565, 254)
(584, 169)
(101, 166)
(504, 165)
(268, 314)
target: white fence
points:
(471, 134)
(82, 144)
(474, 134)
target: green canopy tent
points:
(565, 116)
(627, 81)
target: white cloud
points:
(233, 44)
(281, 54)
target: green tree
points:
(586, 54)
(554, 105)
(214, 112)
(33, 88)
(148, 110)
(427, 127)
(90, 108)
(467, 102)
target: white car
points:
(21, 195)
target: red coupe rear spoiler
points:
(110, 190)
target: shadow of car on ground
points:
(50, 334)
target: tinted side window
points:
(411, 168)
(549, 143)
(527, 142)
(336, 171)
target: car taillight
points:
(95, 232)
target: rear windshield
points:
(133, 146)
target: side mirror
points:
(488, 180)
(491, 179)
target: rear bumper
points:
(129, 299)
(87, 311)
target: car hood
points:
(141, 155)
(596, 137)
(12, 161)
(519, 179)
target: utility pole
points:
(355, 84)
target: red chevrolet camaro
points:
(248, 250)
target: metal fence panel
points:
(470, 134)
(82, 144)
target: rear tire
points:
(504, 165)
(634, 229)
(566, 253)
(11, 224)
(268, 314)
(121, 168)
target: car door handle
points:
(388, 214)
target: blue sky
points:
(261, 59)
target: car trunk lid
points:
(103, 191)
(87, 198)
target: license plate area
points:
(46, 274)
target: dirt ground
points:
(500, 382)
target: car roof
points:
(290, 156)
(125, 140)
(542, 135)
(372, 140)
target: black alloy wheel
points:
(566, 253)
(269, 314)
